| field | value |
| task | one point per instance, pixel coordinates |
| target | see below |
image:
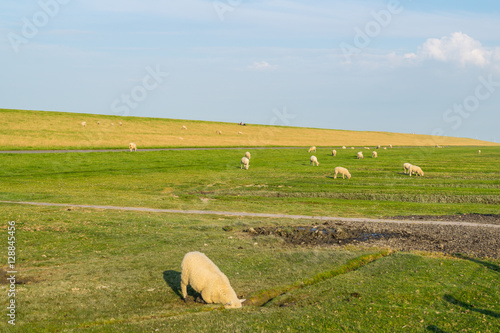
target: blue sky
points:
(427, 67)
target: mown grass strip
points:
(265, 296)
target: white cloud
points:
(262, 66)
(458, 48)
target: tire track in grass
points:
(263, 297)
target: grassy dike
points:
(24, 129)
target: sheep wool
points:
(343, 171)
(374, 154)
(314, 160)
(406, 167)
(205, 277)
(247, 155)
(313, 148)
(132, 146)
(245, 162)
(416, 170)
(360, 155)
(334, 152)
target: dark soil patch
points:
(475, 241)
(4, 276)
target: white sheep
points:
(479, 151)
(360, 155)
(205, 277)
(343, 171)
(334, 152)
(240, 132)
(120, 123)
(390, 146)
(245, 162)
(352, 147)
(385, 147)
(416, 170)
(98, 122)
(84, 123)
(132, 146)
(378, 147)
(344, 147)
(218, 132)
(313, 148)
(184, 128)
(247, 155)
(367, 147)
(314, 160)
(406, 167)
(374, 154)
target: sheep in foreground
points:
(360, 155)
(84, 123)
(132, 146)
(247, 155)
(416, 170)
(334, 152)
(205, 277)
(314, 161)
(343, 171)
(406, 167)
(313, 148)
(374, 154)
(245, 162)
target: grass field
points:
(96, 270)
(21, 129)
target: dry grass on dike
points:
(43, 130)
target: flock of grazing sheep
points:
(407, 167)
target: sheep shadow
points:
(434, 328)
(173, 279)
(470, 307)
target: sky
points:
(408, 66)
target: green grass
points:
(88, 270)
(457, 180)
(118, 271)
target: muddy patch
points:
(475, 241)
(4, 276)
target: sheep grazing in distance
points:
(352, 147)
(218, 132)
(184, 128)
(247, 155)
(343, 147)
(132, 146)
(245, 162)
(416, 170)
(360, 155)
(334, 152)
(120, 123)
(378, 147)
(406, 167)
(343, 171)
(374, 154)
(98, 122)
(239, 132)
(367, 147)
(84, 124)
(479, 151)
(314, 161)
(390, 146)
(313, 148)
(385, 147)
(198, 271)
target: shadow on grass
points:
(470, 307)
(433, 328)
(486, 264)
(173, 279)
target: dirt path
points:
(52, 151)
(269, 215)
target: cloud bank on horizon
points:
(427, 67)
